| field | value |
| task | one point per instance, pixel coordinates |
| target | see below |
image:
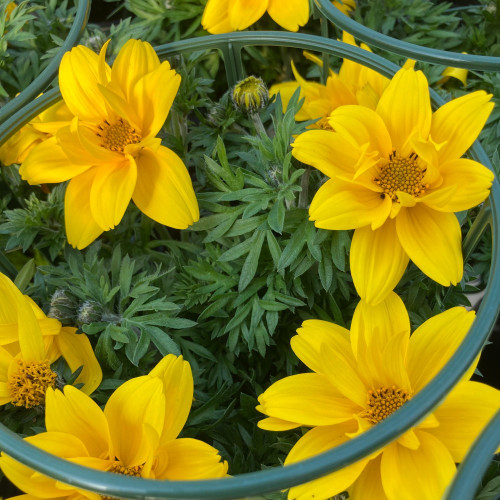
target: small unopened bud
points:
(61, 305)
(89, 312)
(250, 94)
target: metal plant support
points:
(25, 107)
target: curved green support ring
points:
(410, 50)
(269, 480)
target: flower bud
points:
(250, 94)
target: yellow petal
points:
(471, 180)
(458, 123)
(339, 204)
(362, 126)
(215, 17)
(376, 324)
(308, 399)
(434, 342)
(153, 106)
(463, 415)
(60, 444)
(289, 15)
(274, 424)
(314, 332)
(377, 261)
(29, 333)
(243, 13)
(405, 107)
(317, 441)
(177, 379)
(189, 459)
(327, 151)
(403, 470)
(433, 241)
(79, 79)
(285, 90)
(75, 414)
(164, 190)
(77, 351)
(341, 369)
(369, 483)
(81, 228)
(458, 73)
(135, 413)
(111, 192)
(47, 162)
(135, 59)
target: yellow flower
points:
(396, 177)
(29, 343)
(136, 434)
(224, 16)
(354, 84)
(346, 6)
(110, 150)
(41, 128)
(360, 378)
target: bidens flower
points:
(354, 84)
(135, 435)
(363, 376)
(224, 16)
(396, 177)
(110, 151)
(41, 128)
(29, 343)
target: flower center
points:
(383, 402)
(29, 383)
(115, 137)
(401, 174)
(118, 468)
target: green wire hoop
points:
(410, 50)
(270, 480)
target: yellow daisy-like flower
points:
(44, 126)
(396, 177)
(224, 16)
(110, 150)
(354, 84)
(363, 376)
(135, 435)
(29, 343)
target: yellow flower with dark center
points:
(29, 343)
(224, 16)
(41, 128)
(354, 84)
(135, 435)
(362, 377)
(110, 152)
(396, 177)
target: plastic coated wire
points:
(269, 480)
(406, 49)
(40, 83)
(476, 462)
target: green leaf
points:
(276, 217)
(178, 323)
(293, 247)
(135, 352)
(274, 247)
(162, 341)
(25, 275)
(251, 262)
(238, 250)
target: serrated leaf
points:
(251, 262)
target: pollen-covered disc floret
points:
(383, 402)
(115, 137)
(30, 382)
(118, 468)
(401, 174)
